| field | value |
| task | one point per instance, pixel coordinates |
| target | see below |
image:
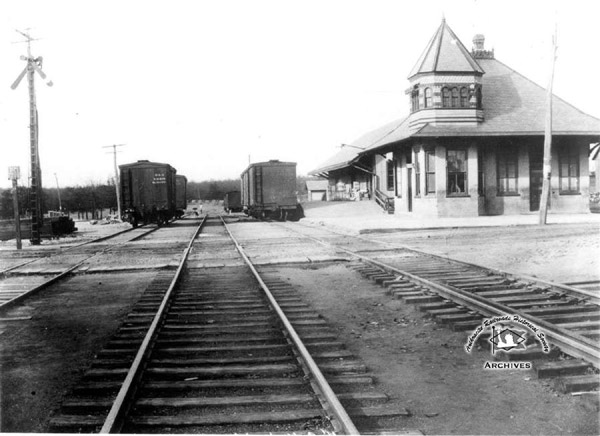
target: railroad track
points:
(216, 348)
(463, 295)
(26, 278)
(588, 285)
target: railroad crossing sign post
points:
(14, 174)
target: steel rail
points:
(113, 421)
(102, 238)
(336, 408)
(4, 271)
(571, 343)
(588, 295)
(63, 274)
(41, 286)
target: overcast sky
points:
(208, 85)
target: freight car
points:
(269, 190)
(233, 201)
(148, 192)
(180, 195)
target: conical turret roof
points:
(446, 54)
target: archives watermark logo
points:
(506, 334)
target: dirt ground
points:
(560, 252)
(44, 354)
(423, 366)
(567, 249)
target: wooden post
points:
(547, 168)
(14, 173)
(117, 182)
(17, 216)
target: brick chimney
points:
(479, 51)
(478, 42)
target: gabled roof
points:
(445, 54)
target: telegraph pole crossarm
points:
(33, 65)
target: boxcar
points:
(233, 201)
(180, 195)
(147, 192)
(269, 190)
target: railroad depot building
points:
(471, 145)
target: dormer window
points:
(428, 98)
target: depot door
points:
(409, 172)
(536, 176)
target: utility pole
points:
(33, 65)
(14, 174)
(117, 182)
(547, 167)
(58, 192)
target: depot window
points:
(390, 175)
(456, 168)
(454, 97)
(464, 97)
(445, 97)
(415, 100)
(429, 172)
(568, 170)
(417, 168)
(428, 98)
(507, 170)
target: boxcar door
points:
(258, 185)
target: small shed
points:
(317, 190)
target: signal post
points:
(14, 174)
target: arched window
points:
(415, 100)
(428, 102)
(454, 97)
(445, 97)
(464, 97)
